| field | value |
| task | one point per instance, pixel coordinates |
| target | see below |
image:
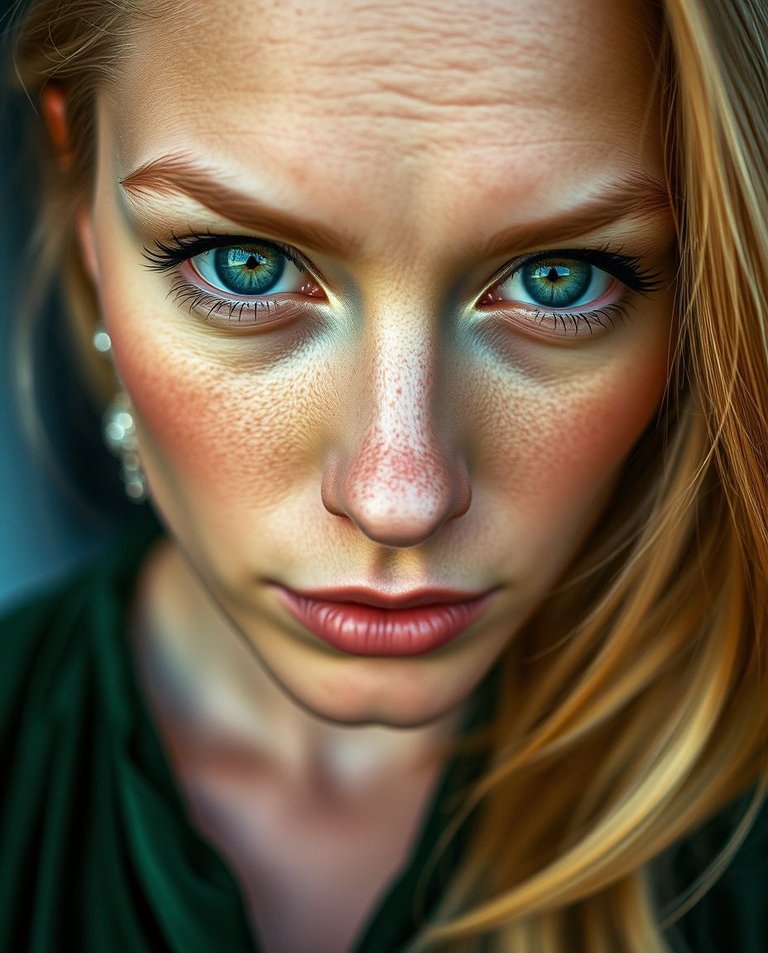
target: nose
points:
(396, 473)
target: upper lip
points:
(384, 600)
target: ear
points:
(53, 100)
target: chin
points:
(405, 699)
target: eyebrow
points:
(181, 175)
(635, 194)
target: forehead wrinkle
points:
(378, 27)
(425, 44)
(466, 78)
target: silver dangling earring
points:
(119, 431)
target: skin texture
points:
(395, 431)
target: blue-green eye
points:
(555, 282)
(252, 268)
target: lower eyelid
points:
(552, 325)
(209, 306)
(594, 323)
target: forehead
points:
(420, 100)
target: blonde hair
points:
(619, 734)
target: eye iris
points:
(248, 269)
(556, 283)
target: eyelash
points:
(627, 269)
(167, 257)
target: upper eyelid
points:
(170, 256)
(610, 262)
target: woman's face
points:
(439, 389)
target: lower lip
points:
(368, 630)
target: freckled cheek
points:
(213, 429)
(584, 442)
(563, 448)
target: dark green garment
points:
(733, 916)
(97, 851)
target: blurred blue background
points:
(44, 531)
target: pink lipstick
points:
(363, 622)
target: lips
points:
(360, 621)
(408, 600)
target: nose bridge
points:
(402, 390)
(397, 473)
